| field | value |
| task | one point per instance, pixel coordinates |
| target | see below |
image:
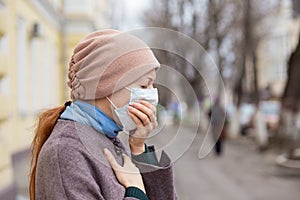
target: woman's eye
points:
(143, 86)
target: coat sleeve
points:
(158, 179)
(64, 172)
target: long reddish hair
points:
(45, 124)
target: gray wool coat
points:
(71, 165)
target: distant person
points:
(76, 152)
(175, 106)
(218, 126)
(260, 130)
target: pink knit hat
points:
(106, 61)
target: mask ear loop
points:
(129, 89)
(111, 103)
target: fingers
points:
(144, 111)
(149, 105)
(152, 115)
(114, 164)
(141, 112)
(127, 160)
(136, 120)
(112, 161)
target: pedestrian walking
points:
(218, 126)
(76, 152)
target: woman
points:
(76, 153)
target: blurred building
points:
(82, 17)
(276, 48)
(36, 40)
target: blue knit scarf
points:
(88, 114)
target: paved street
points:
(241, 174)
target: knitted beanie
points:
(106, 61)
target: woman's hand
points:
(128, 175)
(144, 116)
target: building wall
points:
(36, 41)
(31, 74)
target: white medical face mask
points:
(136, 95)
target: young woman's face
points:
(122, 97)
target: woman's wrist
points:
(138, 183)
(137, 150)
(136, 146)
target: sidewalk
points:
(240, 174)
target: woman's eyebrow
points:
(150, 78)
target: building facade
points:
(36, 41)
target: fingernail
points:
(105, 151)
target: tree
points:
(254, 30)
(209, 22)
(291, 96)
(222, 33)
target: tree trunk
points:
(291, 95)
(245, 49)
(255, 79)
(290, 102)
